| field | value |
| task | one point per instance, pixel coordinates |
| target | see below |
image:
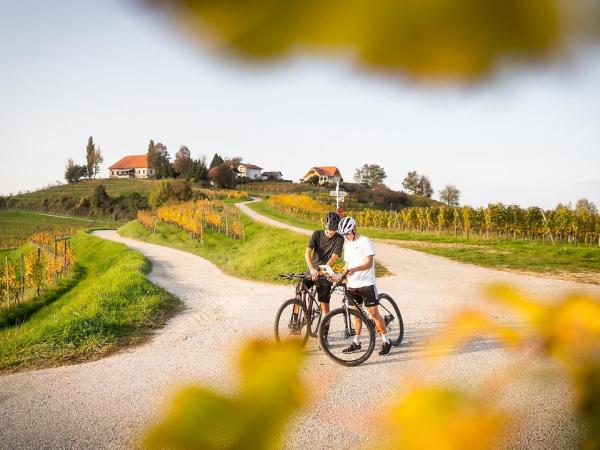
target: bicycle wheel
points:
(341, 323)
(393, 319)
(291, 322)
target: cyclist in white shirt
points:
(360, 268)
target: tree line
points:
(183, 165)
(373, 175)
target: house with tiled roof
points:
(250, 171)
(132, 166)
(326, 174)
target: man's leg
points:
(379, 322)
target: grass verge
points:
(107, 303)
(581, 263)
(17, 226)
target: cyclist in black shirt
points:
(325, 247)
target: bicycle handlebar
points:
(303, 276)
(291, 276)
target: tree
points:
(224, 176)
(411, 182)
(370, 175)
(450, 195)
(424, 187)
(167, 190)
(182, 166)
(152, 157)
(199, 170)
(161, 161)
(100, 200)
(98, 159)
(233, 161)
(217, 160)
(90, 151)
(74, 172)
(583, 205)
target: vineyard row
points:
(197, 217)
(496, 220)
(36, 269)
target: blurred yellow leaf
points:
(270, 392)
(459, 39)
(464, 326)
(438, 418)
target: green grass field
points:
(106, 303)
(17, 226)
(266, 252)
(582, 261)
(85, 188)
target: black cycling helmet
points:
(332, 220)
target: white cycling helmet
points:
(347, 225)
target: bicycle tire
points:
(284, 330)
(332, 344)
(387, 307)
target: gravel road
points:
(105, 403)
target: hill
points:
(126, 197)
(358, 197)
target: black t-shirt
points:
(323, 247)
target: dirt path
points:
(103, 404)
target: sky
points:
(125, 75)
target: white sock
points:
(385, 338)
(356, 339)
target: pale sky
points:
(125, 75)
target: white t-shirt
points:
(355, 254)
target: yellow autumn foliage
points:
(195, 217)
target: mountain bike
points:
(298, 318)
(337, 328)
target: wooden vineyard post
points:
(7, 283)
(22, 277)
(243, 234)
(65, 255)
(55, 247)
(201, 227)
(226, 226)
(154, 228)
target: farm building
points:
(132, 166)
(272, 176)
(326, 174)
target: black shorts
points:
(366, 294)
(323, 289)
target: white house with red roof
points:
(132, 166)
(249, 171)
(326, 174)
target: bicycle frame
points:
(348, 303)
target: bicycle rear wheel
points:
(392, 317)
(341, 331)
(292, 322)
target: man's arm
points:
(364, 266)
(332, 260)
(309, 263)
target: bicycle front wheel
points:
(292, 322)
(392, 317)
(337, 332)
